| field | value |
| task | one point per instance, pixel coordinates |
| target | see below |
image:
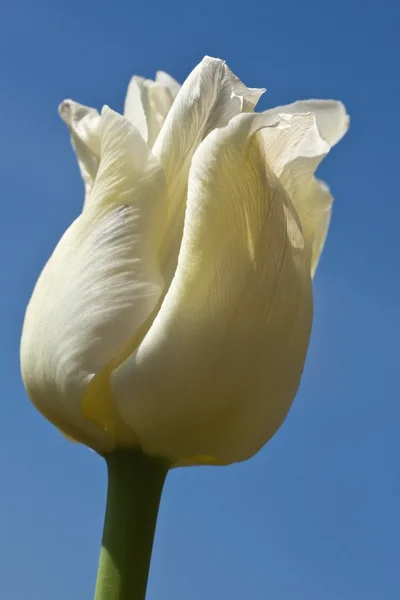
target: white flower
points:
(175, 313)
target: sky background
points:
(315, 515)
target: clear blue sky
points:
(314, 516)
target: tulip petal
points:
(332, 118)
(147, 104)
(83, 123)
(209, 98)
(100, 285)
(133, 108)
(294, 150)
(169, 82)
(219, 368)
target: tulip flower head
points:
(175, 313)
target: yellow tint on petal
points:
(98, 403)
(200, 460)
(98, 406)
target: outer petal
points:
(209, 98)
(220, 366)
(99, 286)
(83, 123)
(332, 118)
(294, 151)
(147, 104)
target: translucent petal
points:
(83, 123)
(169, 82)
(147, 104)
(332, 118)
(294, 150)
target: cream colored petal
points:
(83, 123)
(322, 200)
(134, 109)
(128, 168)
(332, 118)
(221, 364)
(99, 286)
(209, 98)
(169, 82)
(147, 104)
(294, 150)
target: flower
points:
(175, 313)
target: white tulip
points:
(175, 313)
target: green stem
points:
(135, 483)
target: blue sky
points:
(315, 515)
